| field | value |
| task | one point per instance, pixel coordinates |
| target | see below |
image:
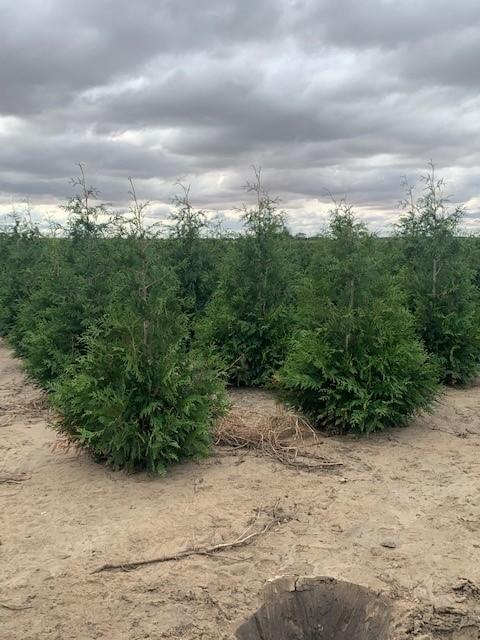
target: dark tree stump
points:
(318, 609)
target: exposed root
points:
(277, 516)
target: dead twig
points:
(244, 539)
(457, 434)
(14, 479)
(13, 607)
(65, 444)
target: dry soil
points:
(401, 515)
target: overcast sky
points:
(345, 96)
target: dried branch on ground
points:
(276, 516)
(13, 607)
(13, 479)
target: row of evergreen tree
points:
(135, 336)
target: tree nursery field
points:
(186, 414)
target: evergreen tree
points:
(249, 319)
(68, 289)
(354, 362)
(192, 255)
(440, 282)
(20, 245)
(139, 397)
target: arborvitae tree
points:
(440, 282)
(53, 317)
(193, 256)
(471, 248)
(354, 362)
(68, 289)
(20, 246)
(249, 319)
(139, 397)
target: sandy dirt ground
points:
(401, 515)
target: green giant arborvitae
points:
(354, 362)
(139, 397)
(250, 317)
(440, 281)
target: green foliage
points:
(250, 316)
(68, 288)
(99, 319)
(440, 282)
(192, 256)
(354, 363)
(20, 247)
(139, 397)
(51, 321)
(128, 330)
(471, 250)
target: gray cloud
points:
(334, 95)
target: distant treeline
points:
(135, 336)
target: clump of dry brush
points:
(282, 435)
